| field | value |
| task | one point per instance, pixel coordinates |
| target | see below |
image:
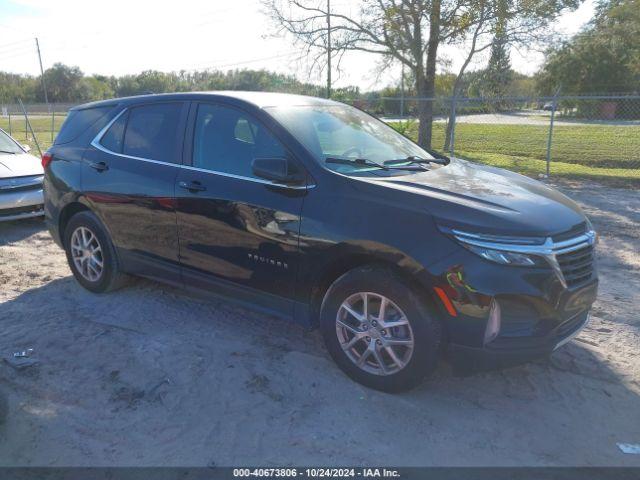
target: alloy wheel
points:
(374, 333)
(86, 253)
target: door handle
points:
(99, 166)
(194, 186)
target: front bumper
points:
(502, 353)
(537, 312)
(21, 204)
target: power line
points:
(4, 46)
(4, 25)
(16, 50)
(581, 34)
(22, 54)
(244, 62)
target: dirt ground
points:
(152, 376)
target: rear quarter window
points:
(113, 138)
(78, 121)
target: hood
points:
(19, 165)
(480, 198)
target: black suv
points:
(314, 210)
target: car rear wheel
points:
(378, 331)
(91, 255)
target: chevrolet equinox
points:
(313, 210)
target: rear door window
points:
(152, 132)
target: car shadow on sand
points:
(150, 375)
(11, 232)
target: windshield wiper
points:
(415, 160)
(7, 151)
(365, 162)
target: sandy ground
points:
(152, 376)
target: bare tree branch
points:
(411, 32)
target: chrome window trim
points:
(96, 144)
(250, 179)
(549, 250)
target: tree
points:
(411, 32)
(523, 23)
(69, 85)
(498, 72)
(63, 82)
(14, 86)
(97, 87)
(603, 58)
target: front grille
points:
(577, 266)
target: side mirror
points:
(276, 169)
(26, 148)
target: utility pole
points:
(328, 48)
(402, 93)
(44, 85)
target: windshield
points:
(7, 145)
(344, 132)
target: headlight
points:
(504, 257)
(527, 251)
(500, 249)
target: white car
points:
(21, 177)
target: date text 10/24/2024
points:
(316, 472)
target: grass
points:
(41, 126)
(597, 152)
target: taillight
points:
(46, 159)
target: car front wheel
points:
(378, 331)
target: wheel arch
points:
(348, 257)
(80, 204)
(67, 212)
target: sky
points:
(128, 36)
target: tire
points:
(402, 303)
(4, 409)
(110, 276)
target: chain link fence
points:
(581, 137)
(42, 121)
